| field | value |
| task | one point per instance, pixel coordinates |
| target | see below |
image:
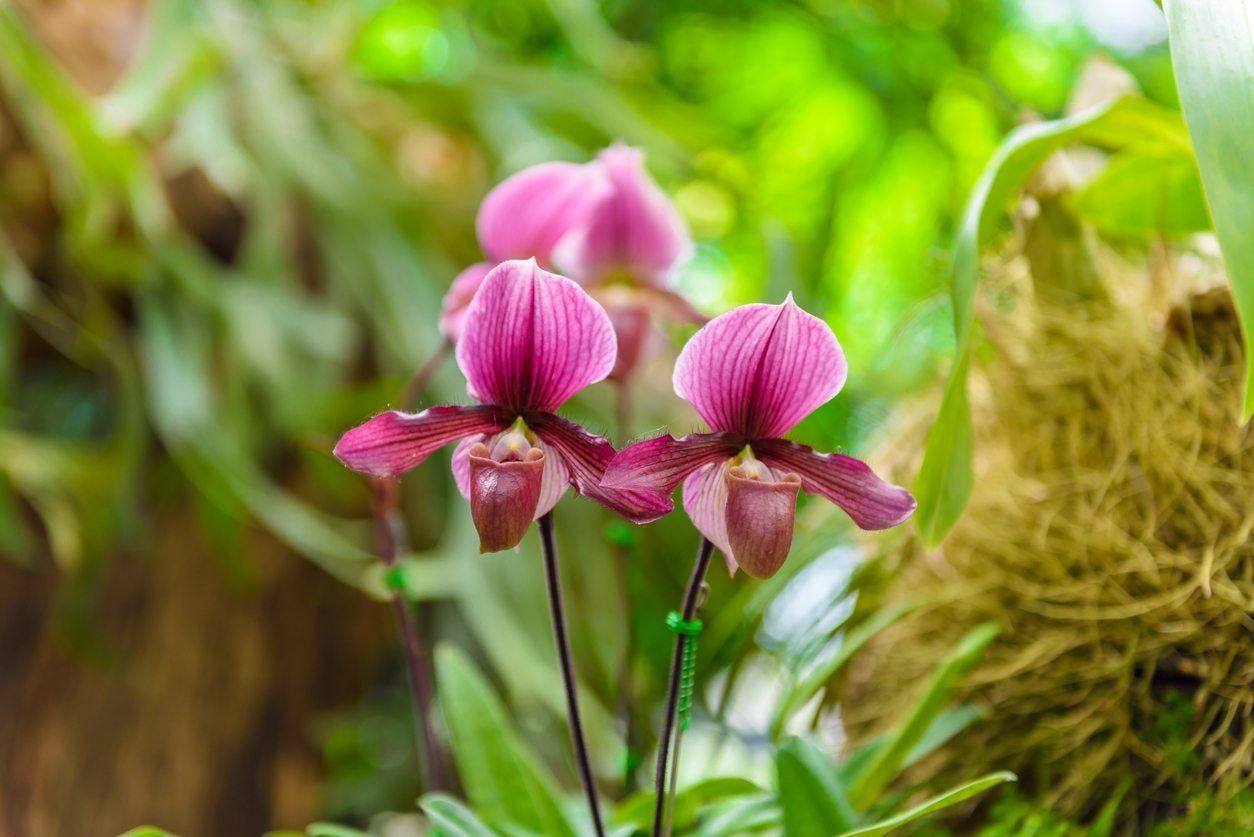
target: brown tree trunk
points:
(191, 701)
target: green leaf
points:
(638, 809)
(936, 803)
(885, 764)
(742, 816)
(943, 727)
(1139, 193)
(945, 478)
(451, 818)
(504, 781)
(147, 831)
(813, 801)
(1212, 51)
(806, 688)
(330, 829)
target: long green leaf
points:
(503, 780)
(1212, 51)
(812, 800)
(945, 478)
(451, 818)
(806, 688)
(936, 803)
(887, 762)
(637, 809)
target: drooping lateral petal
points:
(391, 443)
(849, 483)
(760, 369)
(586, 457)
(553, 481)
(532, 339)
(457, 299)
(633, 228)
(531, 211)
(661, 463)
(705, 501)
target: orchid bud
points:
(504, 490)
(760, 511)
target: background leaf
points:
(1212, 51)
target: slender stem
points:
(692, 599)
(419, 380)
(560, 636)
(391, 540)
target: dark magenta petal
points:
(760, 369)
(391, 443)
(532, 339)
(586, 457)
(661, 463)
(503, 496)
(849, 483)
(759, 516)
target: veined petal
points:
(553, 481)
(849, 483)
(633, 228)
(391, 443)
(458, 297)
(705, 500)
(531, 211)
(661, 463)
(532, 339)
(586, 457)
(760, 369)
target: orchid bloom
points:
(530, 341)
(753, 374)
(607, 225)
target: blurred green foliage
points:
(251, 231)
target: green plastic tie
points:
(690, 629)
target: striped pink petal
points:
(661, 463)
(391, 443)
(532, 339)
(586, 457)
(760, 369)
(633, 228)
(530, 212)
(849, 483)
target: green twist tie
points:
(394, 578)
(689, 629)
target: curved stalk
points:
(560, 636)
(692, 600)
(390, 535)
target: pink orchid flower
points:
(753, 374)
(530, 341)
(605, 224)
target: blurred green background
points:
(225, 228)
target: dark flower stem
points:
(692, 600)
(390, 536)
(391, 540)
(560, 636)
